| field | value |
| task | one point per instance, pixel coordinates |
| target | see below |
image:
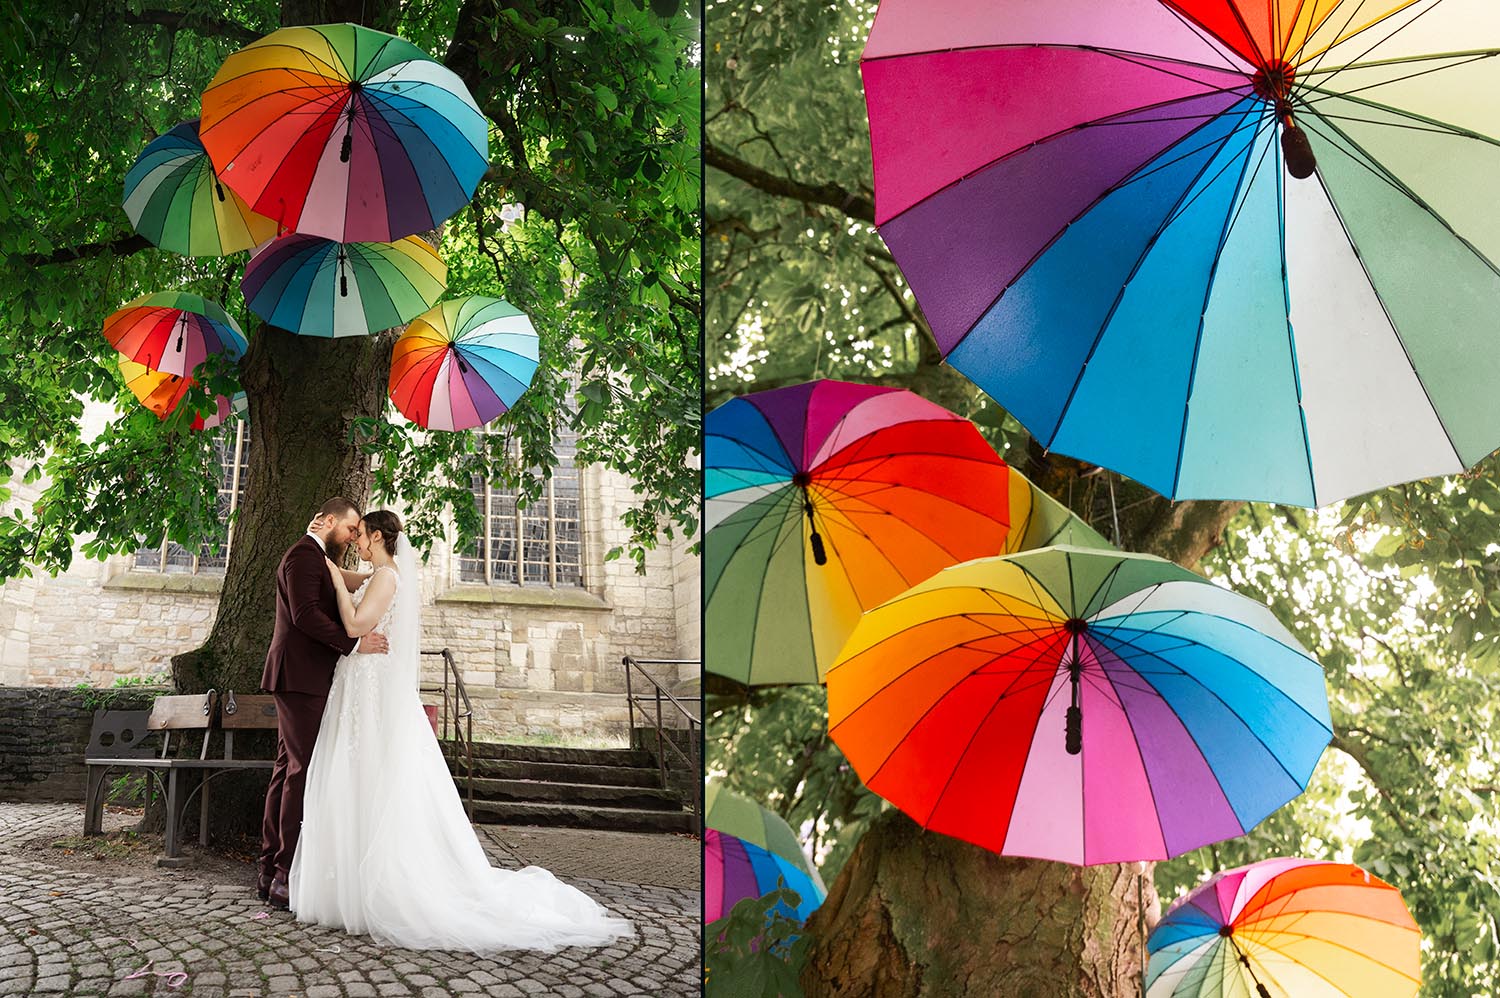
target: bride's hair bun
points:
(389, 525)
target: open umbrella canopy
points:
(823, 499)
(463, 363)
(1232, 249)
(174, 200)
(162, 392)
(769, 846)
(735, 869)
(173, 332)
(1077, 704)
(1287, 928)
(344, 132)
(318, 287)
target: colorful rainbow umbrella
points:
(344, 132)
(1079, 705)
(463, 363)
(1231, 249)
(825, 499)
(318, 287)
(1287, 928)
(162, 392)
(751, 851)
(736, 869)
(173, 332)
(174, 200)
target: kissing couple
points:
(363, 829)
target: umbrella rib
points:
(759, 594)
(766, 523)
(1324, 940)
(777, 467)
(973, 737)
(1338, 40)
(1253, 733)
(1327, 95)
(1135, 269)
(1242, 188)
(1207, 37)
(1369, 278)
(838, 457)
(1466, 55)
(827, 511)
(845, 519)
(1140, 753)
(1111, 119)
(1099, 49)
(897, 742)
(1440, 130)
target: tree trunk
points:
(304, 394)
(918, 913)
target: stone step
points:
(562, 754)
(582, 816)
(522, 791)
(561, 772)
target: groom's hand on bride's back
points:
(373, 644)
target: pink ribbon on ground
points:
(174, 978)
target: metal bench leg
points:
(93, 802)
(203, 810)
(174, 805)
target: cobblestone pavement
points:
(71, 930)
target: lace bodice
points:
(358, 596)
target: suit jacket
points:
(309, 636)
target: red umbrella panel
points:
(173, 332)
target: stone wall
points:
(538, 663)
(43, 734)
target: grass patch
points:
(113, 845)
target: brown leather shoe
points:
(277, 896)
(263, 885)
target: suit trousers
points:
(298, 717)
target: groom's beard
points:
(338, 553)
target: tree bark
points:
(917, 913)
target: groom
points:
(307, 643)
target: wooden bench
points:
(118, 742)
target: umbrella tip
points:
(1226, 931)
(802, 479)
(1075, 625)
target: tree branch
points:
(123, 246)
(177, 21)
(856, 206)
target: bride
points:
(386, 848)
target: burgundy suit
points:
(307, 643)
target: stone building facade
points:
(540, 662)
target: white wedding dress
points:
(386, 848)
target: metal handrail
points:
(463, 739)
(694, 724)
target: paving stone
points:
(78, 932)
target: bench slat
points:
(250, 712)
(195, 711)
